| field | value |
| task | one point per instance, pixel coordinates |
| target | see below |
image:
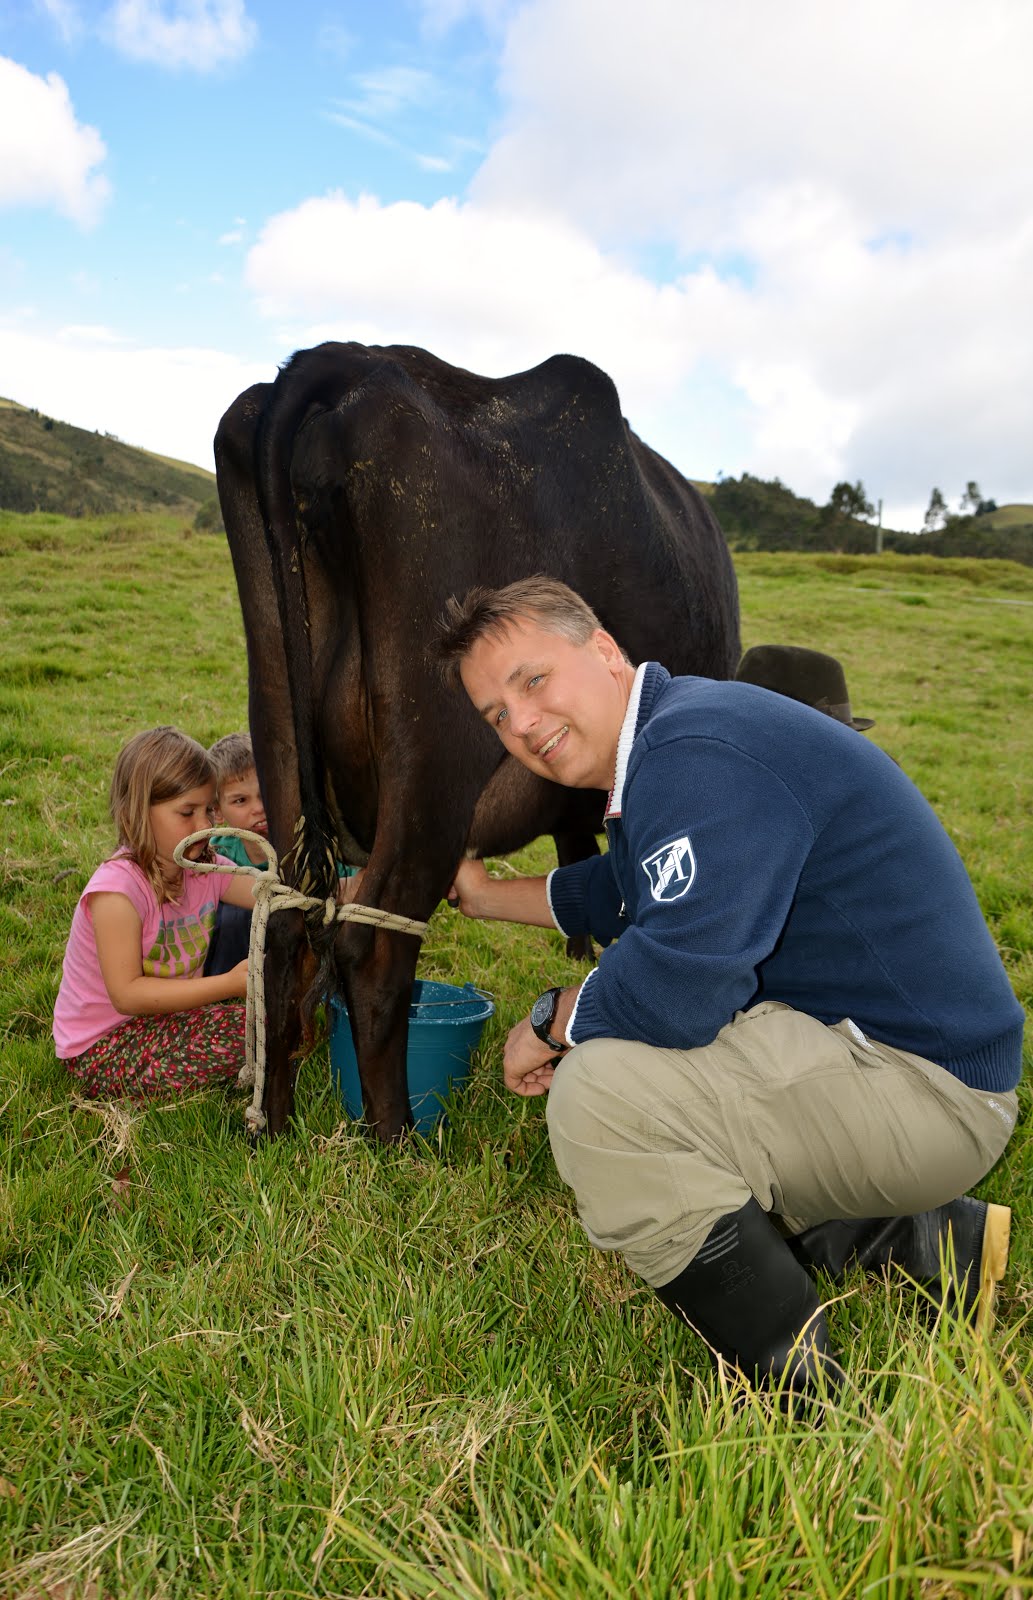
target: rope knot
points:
(272, 894)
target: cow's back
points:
(452, 479)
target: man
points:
(799, 1014)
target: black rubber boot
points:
(958, 1253)
(748, 1296)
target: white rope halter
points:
(272, 894)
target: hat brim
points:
(862, 723)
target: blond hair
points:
(232, 757)
(487, 613)
(153, 767)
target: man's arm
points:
(689, 958)
(528, 1063)
(476, 894)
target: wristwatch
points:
(543, 1015)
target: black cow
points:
(359, 491)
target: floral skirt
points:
(171, 1054)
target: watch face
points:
(541, 1011)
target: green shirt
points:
(233, 849)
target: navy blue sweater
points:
(766, 852)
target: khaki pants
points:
(815, 1122)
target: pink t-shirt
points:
(175, 938)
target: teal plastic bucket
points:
(445, 1024)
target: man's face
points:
(556, 706)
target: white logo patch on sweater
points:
(670, 870)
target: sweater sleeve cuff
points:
(552, 908)
(573, 1018)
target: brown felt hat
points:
(810, 676)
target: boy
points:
(238, 803)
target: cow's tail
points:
(311, 861)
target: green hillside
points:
(50, 466)
(762, 514)
(1013, 516)
(47, 465)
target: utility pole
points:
(878, 532)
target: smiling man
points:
(799, 1045)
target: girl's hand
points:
(237, 976)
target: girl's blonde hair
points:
(154, 766)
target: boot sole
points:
(993, 1262)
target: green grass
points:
(1017, 515)
(325, 1368)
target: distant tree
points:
(984, 508)
(970, 499)
(936, 513)
(850, 500)
(209, 517)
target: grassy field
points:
(1012, 516)
(324, 1368)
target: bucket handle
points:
(461, 999)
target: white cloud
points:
(166, 400)
(673, 116)
(200, 34)
(490, 288)
(367, 130)
(47, 157)
(90, 334)
(842, 361)
(797, 236)
(65, 17)
(440, 15)
(390, 90)
(864, 170)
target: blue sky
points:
(798, 236)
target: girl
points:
(133, 1013)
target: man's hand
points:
(528, 1065)
(476, 893)
(471, 880)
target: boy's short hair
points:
(232, 757)
(489, 612)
